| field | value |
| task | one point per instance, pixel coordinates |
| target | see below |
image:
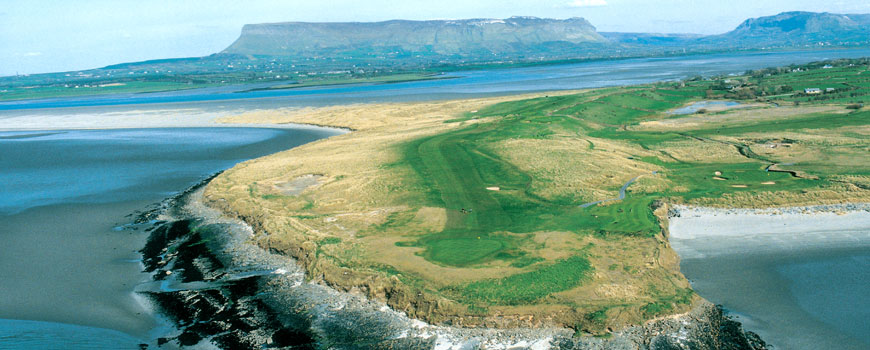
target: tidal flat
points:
(798, 277)
(69, 265)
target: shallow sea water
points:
(797, 299)
(67, 271)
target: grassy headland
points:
(477, 212)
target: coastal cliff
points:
(220, 289)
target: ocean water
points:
(67, 271)
(17, 335)
(834, 289)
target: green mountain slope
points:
(799, 29)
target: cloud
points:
(587, 3)
(32, 54)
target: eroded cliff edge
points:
(223, 290)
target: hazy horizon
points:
(56, 36)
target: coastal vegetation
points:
(546, 209)
(141, 80)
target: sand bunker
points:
(739, 186)
(299, 184)
(769, 183)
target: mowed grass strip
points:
(454, 165)
(459, 169)
(529, 287)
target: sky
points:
(62, 35)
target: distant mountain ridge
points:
(800, 28)
(303, 51)
(530, 38)
(437, 37)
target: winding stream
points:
(621, 192)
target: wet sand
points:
(797, 277)
(107, 118)
(66, 264)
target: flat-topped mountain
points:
(303, 51)
(800, 28)
(441, 37)
(530, 38)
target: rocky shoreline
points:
(222, 291)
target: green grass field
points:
(485, 225)
(529, 287)
(132, 87)
(37, 89)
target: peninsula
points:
(482, 213)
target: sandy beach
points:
(104, 118)
(701, 232)
(127, 117)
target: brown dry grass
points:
(565, 167)
(381, 116)
(837, 193)
(696, 151)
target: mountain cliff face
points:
(800, 28)
(442, 38)
(410, 43)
